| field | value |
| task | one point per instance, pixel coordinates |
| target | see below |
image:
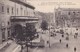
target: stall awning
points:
(23, 18)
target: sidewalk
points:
(5, 44)
(17, 49)
(11, 48)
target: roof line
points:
(23, 3)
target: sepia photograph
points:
(39, 25)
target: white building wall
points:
(5, 16)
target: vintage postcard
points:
(39, 25)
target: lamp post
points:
(49, 37)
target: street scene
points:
(39, 26)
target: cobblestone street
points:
(56, 46)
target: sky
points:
(50, 5)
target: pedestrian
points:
(74, 49)
(74, 36)
(60, 40)
(21, 48)
(67, 45)
(62, 35)
(47, 42)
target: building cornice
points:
(23, 3)
(69, 9)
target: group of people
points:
(75, 36)
(68, 46)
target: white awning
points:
(31, 21)
(36, 40)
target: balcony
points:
(23, 3)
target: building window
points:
(74, 13)
(8, 10)
(17, 11)
(78, 12)
(8, 34)
(21, 10)
(27, 12)
(3, 34)
(34, 13)
(59, 12)
(68, 13)
(2, 8)
(24, 12)
(12, 11)
(8, 23)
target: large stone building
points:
(12, 13)
(67, 17)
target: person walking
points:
(67, 46)
(60, 40)
(74, 49)
(47, 42)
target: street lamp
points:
(49, 37)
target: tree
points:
(24, 34)
(18, 35)
(30, 33)
(44, 25)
